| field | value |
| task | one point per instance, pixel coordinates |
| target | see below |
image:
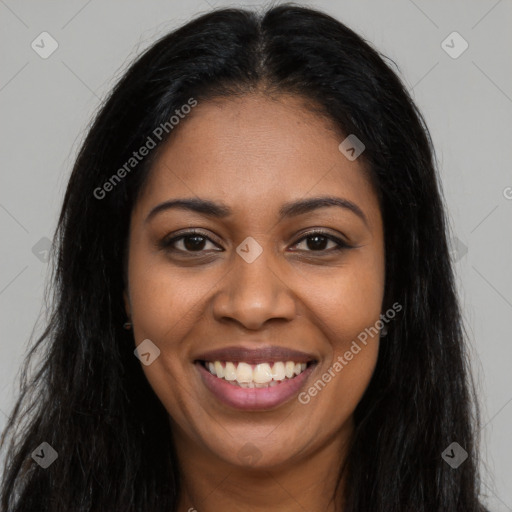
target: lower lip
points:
(254, 399)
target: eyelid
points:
(174, 237)
(341, 244)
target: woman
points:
(254, 302)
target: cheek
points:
(346, 308)
(166, 305)
(347, 315)
(347, 300)
(337, 390)
(165, 300)
(162, 311)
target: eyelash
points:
(166, 244)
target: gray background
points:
(46, 106)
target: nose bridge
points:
(253, 291)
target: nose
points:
(253, 293)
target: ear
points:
(127, 305)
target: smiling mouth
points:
(263, 375)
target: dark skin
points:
(254, 154)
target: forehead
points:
(255, 153)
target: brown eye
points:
(196, 242)
(316, 241)
(188, 242)
(193, 242)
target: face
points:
(264, 288)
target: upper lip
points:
(255, 355)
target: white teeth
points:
(255, 376)
(262, 373)
(230, 371)
(289, 369)
(278, 372)
(244, 373)
(219, 370)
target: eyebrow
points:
(290, 209)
